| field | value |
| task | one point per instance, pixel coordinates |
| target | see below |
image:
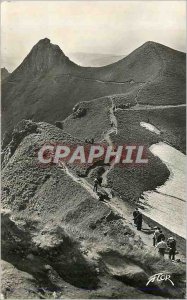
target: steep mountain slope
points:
(171, 121)
(47, 85)
(108, 121)
(4, 73)
(96, 123)
(57, 237)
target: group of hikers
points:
(89, 141)
(162, 245)
(158, 237)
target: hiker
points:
(95, 185)
(101, 197)
(155, 236)
(160, 236)
(111, 123)
(162, 246)
(139, 221)
(92, 141)
(171, 242)
(100, 179)
(135, 213)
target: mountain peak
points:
(43, 56)
(151, 44)
(4, 73)
(47, 48)
(46, 43)
(45, 40)
(155, 45)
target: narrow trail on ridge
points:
(130, 81)
(107, 138)
(83, 182)
(150, 107)
(115, 203)
(139, 90)
(125, 210)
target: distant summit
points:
(151, 45)
(47, 84)
(46, 54)
(43, 57)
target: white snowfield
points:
(167, 204)
(150, 127)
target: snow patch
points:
(167, 204)
(150, 127)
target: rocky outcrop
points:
(4, 73)
(22, 129)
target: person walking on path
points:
(95, 185)
(160, 236)
(135, 213)
(155, 236)
(139, 221)
(162, 246)
(101, 197)
(100, 179)
(171, 242)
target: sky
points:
(108, 27)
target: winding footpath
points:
(130, 81)
(116, 204)
(114, 129)
(150, 107)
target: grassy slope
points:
(36, 195)
(131, 181)
(57, 220)
(94, 123)
(40, 89)
(169, 87)
(170, 121)
(51, 99)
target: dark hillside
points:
(4, 73)
(61, 238)
(47, 85)
(130, 182)
(171, 121)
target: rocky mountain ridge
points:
(47, 85)
(59, 239)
